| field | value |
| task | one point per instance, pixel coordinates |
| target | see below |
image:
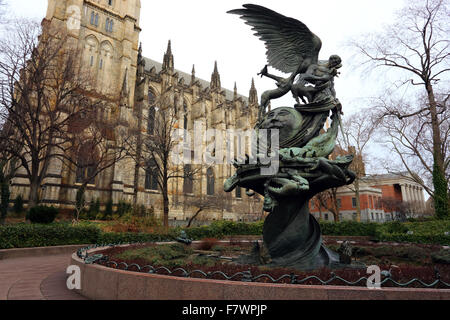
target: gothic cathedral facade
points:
(107, 34)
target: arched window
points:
(92, 17)
(238, 192)
(109, 25)
(185, 122)
(188, 185)
(86, 164)
(151, 176)
(110, 2)
(151, 121)
(210, 182)
(96, 20)
(91, 50)
(151, 113)
(175, 103)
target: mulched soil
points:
(401, 273)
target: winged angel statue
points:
(291, 235)
(293, 49)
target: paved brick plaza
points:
(36, 278)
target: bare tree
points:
(201, 204)
(315, 201)
(94, 148)
(328, 200)
(410, 138)
(417, 46)
(153, 150)
(43, 89)
(4, 193)
(8, 167)
(358, 130)
(399, 209)
(2, 9)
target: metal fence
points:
(246, 276)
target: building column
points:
(410, 193)
(422, 197)
(413, 193)
(404, 194)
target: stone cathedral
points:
(108, 37)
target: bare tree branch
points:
(417, 44)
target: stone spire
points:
(193, 74)
(168, 59)
(253, 95)
(140, 62)
(215, 78)
(140, 52)
(235, 91)
(124, 92)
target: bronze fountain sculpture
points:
(291, 235)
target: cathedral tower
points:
(107, 33)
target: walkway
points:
(36, 278)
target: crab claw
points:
(249, 192)
(231, 183)
(282, 187)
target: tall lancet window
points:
(188, 183)
(151, 113)
(210, 180)
(151, 176)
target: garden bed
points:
(213, 258)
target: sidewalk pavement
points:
(36, 278)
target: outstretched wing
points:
(289, 42)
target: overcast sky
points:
(202, 32)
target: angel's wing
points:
(289, 42)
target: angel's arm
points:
(327, 74)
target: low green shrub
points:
(396, 227)
(42, 235)
(94, 209)
(100, 216)
(109, 208)
(349, 228)
(18, 204)
(219, 229)
(442, 256)
(426, 232)
(131, 237)
(141, 211)
(32, 235)
(84, 215)
(434, 238)
(123, 207)
(42, 214)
